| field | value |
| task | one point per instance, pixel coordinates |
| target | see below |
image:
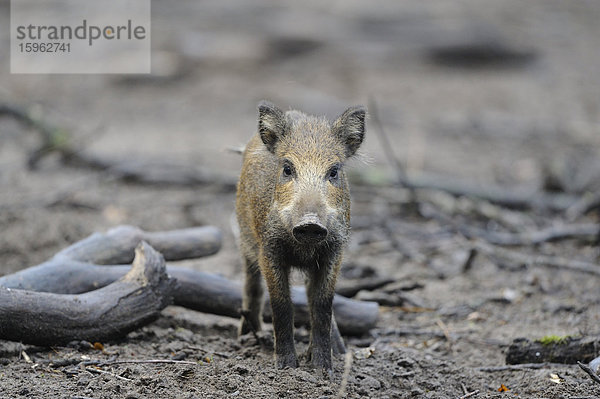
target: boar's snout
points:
(309, 230)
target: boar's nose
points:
(309, 232)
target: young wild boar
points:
(293, 210)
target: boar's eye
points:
(334, 172)
(287, 170)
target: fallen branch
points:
(204, 292)
(116, 245)
(517, 198)
(567, 351)
(412, 331)
(515, 367)
(111, 312)
(391, 299)
(349, 288)
(76, 270)
(538, 260)
(579, 231)
(509, 197)
(224, 297)
(514, 256)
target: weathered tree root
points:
(205, 292)
(111, 312)
(77, 269)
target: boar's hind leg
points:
(320, 291)
(283, 314)
(252, 300)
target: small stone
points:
(184, 334)
(305, 376)
(368, 382)
(364, 353)
(406, 362)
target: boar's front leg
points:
(252, 299)
(278, 284)
(320, 288)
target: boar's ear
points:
(271, 124)
(350, 128)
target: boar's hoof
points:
(310, 233)
(327, 373)
(284, 361)
(320, 361)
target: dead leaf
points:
(98, 346)
(503, 388)
(475, 316)
(555, 378)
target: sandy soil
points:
(489, 92)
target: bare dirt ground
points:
(490, 92)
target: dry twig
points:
(517, 367)
(99, 371)
(349, 288)
(147, 361)
(589, 371)
(470, 394)
(412, 331)
(470, 259)
(387, 146)
(347, 367)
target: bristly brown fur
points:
(293, 210)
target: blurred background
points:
(481, 89)
(490, 92)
